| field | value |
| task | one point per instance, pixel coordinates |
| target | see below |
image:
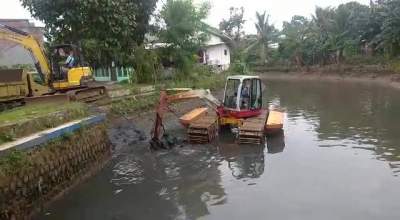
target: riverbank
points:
(384, 79)
(331, 142)
(38, 169)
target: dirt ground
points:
(125, 131)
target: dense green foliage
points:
(107, 30)
(115, 31)
(182, 33)
(144, 12)
(266, 34)
(146, 64)
(332, 35)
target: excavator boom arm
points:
(32, 45)
(183, 95)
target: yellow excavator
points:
(53, 80)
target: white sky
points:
(280, 10)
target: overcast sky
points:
(280, 10)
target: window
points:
(256, 98)
(232, 87)
(245, 94)
(225, 52)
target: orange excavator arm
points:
(165, 100)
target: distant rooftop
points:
(25, 25)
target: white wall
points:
(216, 55)
(214, 40)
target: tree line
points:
(331, 36)
(116, 31)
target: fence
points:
(122, 73)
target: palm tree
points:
(266, 33)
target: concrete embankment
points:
(38, 169)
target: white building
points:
(216, 51)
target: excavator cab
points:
(64, 77)
(243, 96)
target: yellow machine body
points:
(50, 78)
(16, 84)
(235, 122)
(74, 79)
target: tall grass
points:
(23, 121)
(23, 113)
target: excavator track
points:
(252, 131)
(89, 94)
(203, 130)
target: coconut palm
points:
(266, 34)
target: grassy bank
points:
(345, 69)
(39, 110)
(23, 121)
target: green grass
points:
(13, 161)
(26, 120)
(40, 110)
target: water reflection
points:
(191, 180)
(248, 161)
(276, 142)
(328, 161)
(344, 114)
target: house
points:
(216, 51)
(11, 53)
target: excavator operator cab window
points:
(256, 94)
(251, 94)
(231, 93)
(36, 78)
(245, 94)
(58, 61)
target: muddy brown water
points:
(339, 158)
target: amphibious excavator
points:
(52, 80)
(241, 110)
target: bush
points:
(13, 161)
(239, 67)
(147, 65)
(395, 65)
(366, 60)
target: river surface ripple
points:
(339, 158)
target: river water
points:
(339, 158)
